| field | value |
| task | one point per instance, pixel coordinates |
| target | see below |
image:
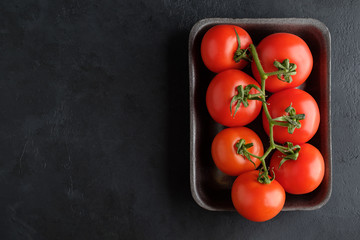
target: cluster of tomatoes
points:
(279, 63)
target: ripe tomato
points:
(224, 150)
(256, 201)
(281, 46)
(218, 47)
(303, 103)
(220, 92)
(302, 175)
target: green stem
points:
(271, 134)
(282, 124)
(266, 111)
(253, 155)
(263, 77)
(277, 146)
(276, 73)
(256, 95)
(264, 173)
(240, 53)
(262, 159)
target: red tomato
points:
(302, 175)
(256, 201)
(303, 103)
(281, 46)
(220, 92)
(224, 151)
(218, 47)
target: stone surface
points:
(95, 121)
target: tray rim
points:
(238, 21)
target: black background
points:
(94, 123)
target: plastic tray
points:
(210, 188)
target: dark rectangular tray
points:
(211, 188)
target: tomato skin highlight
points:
(256, 201)
(219, 45)
(224, 154)
(280, 46)
(300, 176)
(303, 103)
(221, 90)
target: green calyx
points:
(292, 119)
(240, 53)
(264, 178)
(285, 70)
(243, 96)
(241, 149)
(290, 152)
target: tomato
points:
(257, 201)
(302, 175)
(219, 45)
(303, 103)
(220, 92)
(281, 46)
(224, 150)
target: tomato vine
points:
(291, 121)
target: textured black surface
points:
(94, 120)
